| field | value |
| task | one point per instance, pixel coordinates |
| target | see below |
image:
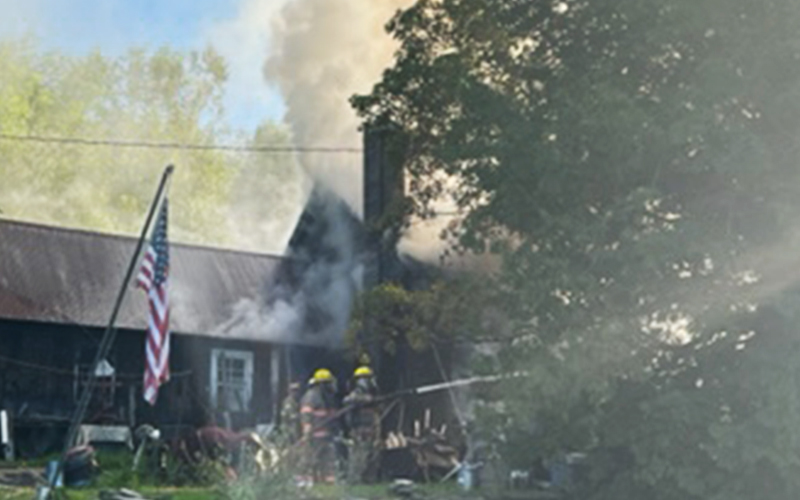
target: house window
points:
(231, 380)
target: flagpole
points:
(109, 334)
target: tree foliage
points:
(454, 310)
(162, 96)
(634, 164)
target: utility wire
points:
(70, 373)
(178, 145)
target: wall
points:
(37, 382)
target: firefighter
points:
(320, 427)
(363, 421)
(290, 415)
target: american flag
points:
(152, 279)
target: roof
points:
(59, 275)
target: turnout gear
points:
(364, 424)
(320, 429)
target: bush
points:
(277, 486)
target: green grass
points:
(33, 463)
(92, 493)
(320, 492)
(381, 491)
(435, 491)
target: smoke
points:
(322, 53)
(19, 18)
(324, 269)
(309, 300)
(243, 40)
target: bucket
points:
(465, 479)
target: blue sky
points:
(239, 29)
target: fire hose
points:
(413, 391)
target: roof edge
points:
(118, 236)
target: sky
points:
(238, 29)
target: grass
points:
(320, 492)
(381, 491)
(92, 493)
(32, 463)
(116, 473)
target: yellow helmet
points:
(363, 371)
(322, 375)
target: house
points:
(57, 289)
(243, 324)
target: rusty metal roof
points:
(59, 275)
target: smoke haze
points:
(322, 52)
(310, 298)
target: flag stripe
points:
(152, 279)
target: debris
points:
(80, 466)
(20, 477)
(126, 494)
(431, 451)
(403, 488)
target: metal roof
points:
(58, 275)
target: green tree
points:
(451, 310)
(161, 96)
(633, 163)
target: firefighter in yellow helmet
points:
(319, 427)
(363, 422)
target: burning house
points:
(243, 324)
(57, 288)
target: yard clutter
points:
(124, 494)
(234, 451)
(81, 466)
(430, 452)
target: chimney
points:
(384, 193)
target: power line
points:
(61, 371)
(177, 145)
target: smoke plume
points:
(309, 300)
(323, 52)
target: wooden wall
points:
(38, 383)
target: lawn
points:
(92, 493)
(374, 492)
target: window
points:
(231, 380)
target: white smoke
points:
(243, 40)
(322, 53)
(309, 301)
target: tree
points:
(160, 96)
(449, 310)
(633, 163)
